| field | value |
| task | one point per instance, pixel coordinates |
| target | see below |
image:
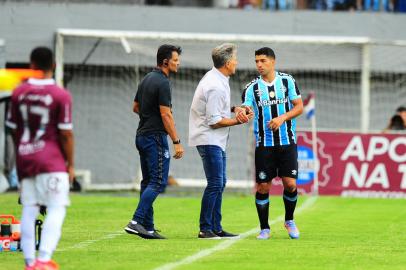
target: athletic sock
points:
(289, 199)
(262, 204)
(51, 232)
(28, 218)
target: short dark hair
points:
(42, 58)
(396, 123)
(265, 51)
(401, 109)
(165, 52)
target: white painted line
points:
(87, 243)
(227, 243)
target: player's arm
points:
(169, 124)
(297, 110)
(215, 99)
(225, 122)
(246, 109)
(65, 134)
(295, 98)
(67, 145)
(136, 104)
(136, 107)
(164, 98)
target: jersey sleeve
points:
(215, 100)
(11, 120)
(248, 97)
(164, 94)
(136, 97)
(293, 91)
(65, 111)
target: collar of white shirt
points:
(34, 81)
(221, 75)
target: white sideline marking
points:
(227, 243)
(90, 242)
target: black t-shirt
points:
(153, 91)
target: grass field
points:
(336, 233)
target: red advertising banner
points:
(352, 165)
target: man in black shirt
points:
(153, 104)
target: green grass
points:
(336, 233)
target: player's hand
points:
(249, 112)
(275, 123)
(240, 115)
(71, 172)
(178, 149)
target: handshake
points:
(243, 114)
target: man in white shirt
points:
(209, 125)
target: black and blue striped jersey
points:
(269, 100)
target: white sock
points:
(51, 232)
(133, 222)
(28, 218)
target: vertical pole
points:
(251, 159)
(365, 87)
(315, 154)
(59, 59)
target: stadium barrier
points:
(352, 165)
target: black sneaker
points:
(208, 235)
(137, 229)
(156, 235)
(224, 234)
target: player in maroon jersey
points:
(40, 115)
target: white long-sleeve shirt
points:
(211, 103)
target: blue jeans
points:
(154, 158)
(214, 164)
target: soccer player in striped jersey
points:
(275, 99)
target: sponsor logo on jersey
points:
(264, 103)
(31, 148)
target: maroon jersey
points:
(38, 110)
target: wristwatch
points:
(176, 142)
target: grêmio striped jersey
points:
(269, 100)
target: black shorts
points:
(275, 161)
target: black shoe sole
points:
(209, 238)
(145, 236)
(130, 231)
